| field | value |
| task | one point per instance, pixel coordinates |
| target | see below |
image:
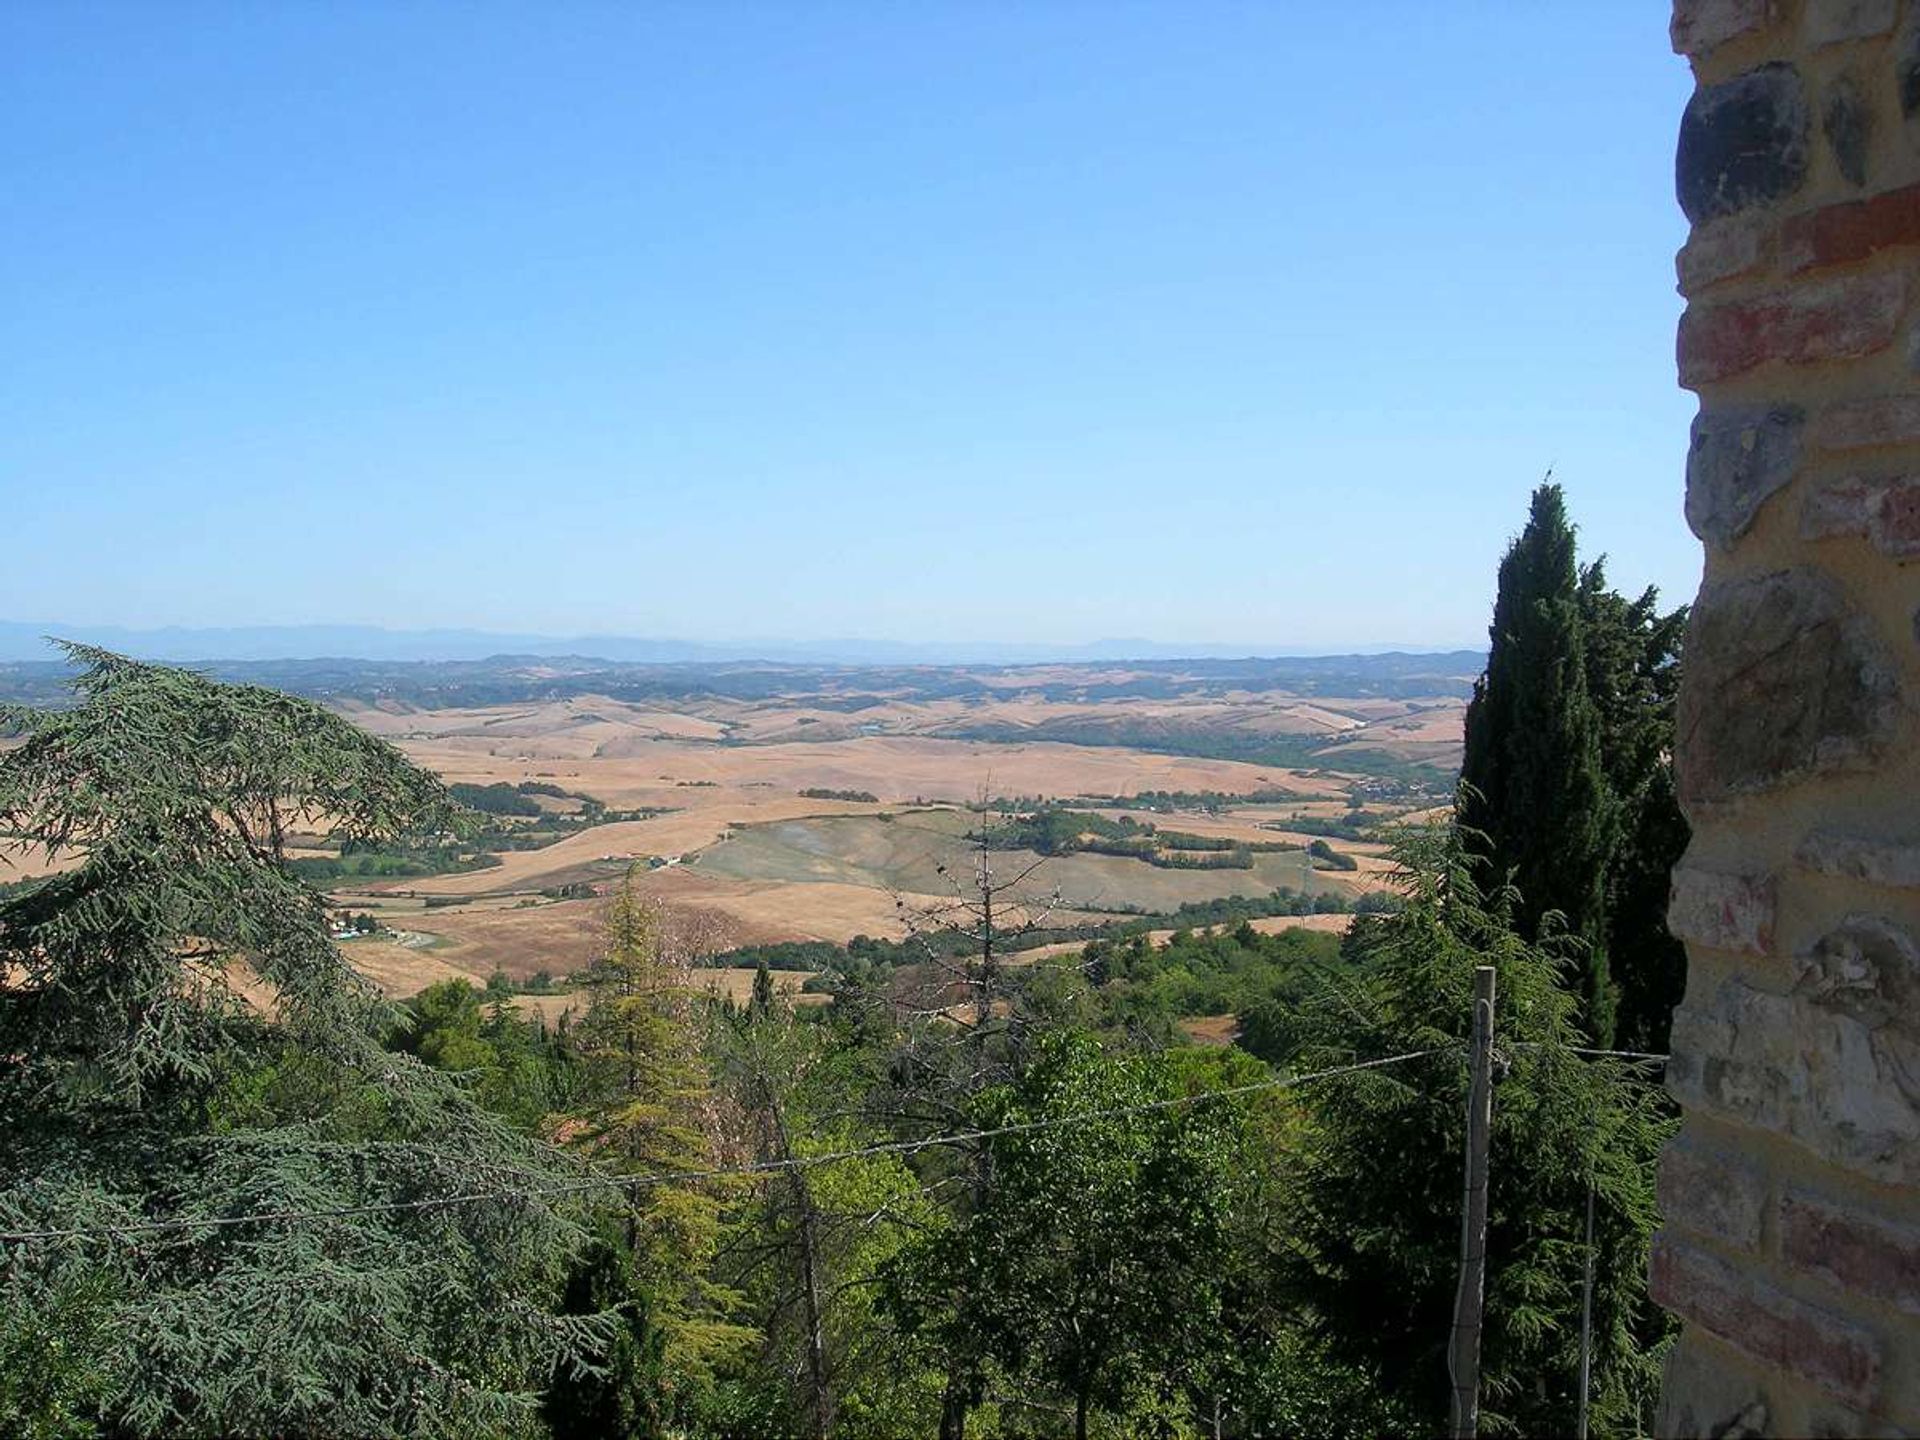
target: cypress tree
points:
(1534, 788)
(1633, 674)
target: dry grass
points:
(402, 970)
(1215, 1030)
(30, 862)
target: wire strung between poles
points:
(767, 1167)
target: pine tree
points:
(646, 1104)
(1534, 787)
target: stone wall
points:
(1791, 1199)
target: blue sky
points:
(1247, 323)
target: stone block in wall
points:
(1844, 318)
(1846, 120)
(1892, 863)
(1906, 72)
(1784, 680)
(1738, 456)
(1721, 911)
(1851, 1251)
(1886, 512)
(1742, 143)
(1841, 1358)
(1828, 22)
(1867, 968)
(1712, 1194)
(1700, 25)
(1701, 1395)
(1834, 1066)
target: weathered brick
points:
(1712, 1195)
(1722, 912)
(1847, 121)
(1738, 456)
(1848, 233)
(1838, 1356)
(1723, 249)
(1837, 319)
(1886, 511)
(1784, 680)
(1868, 424)
(1830, 21)
(1855, 1252)
(1742, 143)
(1892, 863)
(1699, 25)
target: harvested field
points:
(736, 984)
(30, 862)
(401, 970)
(1216, 1030)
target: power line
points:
(1644, 1056)
(767, 1167)
(1622, 1054)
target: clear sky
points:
(1039, 321)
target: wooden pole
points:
(1463, 1356)
(1586, 1322)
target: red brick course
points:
(1840, 1358)
(1849, 233)
(1855, 1252)
(1839, 319)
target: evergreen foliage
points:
(1376, 1211)
(1132, 1253)
(645, 1107)
(139, 1085)
(1567, 785)
(1633, 675)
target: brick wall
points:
(1791, 1199)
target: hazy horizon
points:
(27, 641)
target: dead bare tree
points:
(949, 1052)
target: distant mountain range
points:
(26, 642)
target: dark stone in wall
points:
(1739, 455)
(1848, 124)
(1784, 681)
(1742, 143)
(1906, 71)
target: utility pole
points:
(1586, 1319)
(1463, 1355)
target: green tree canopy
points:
(1534, 789)
(1377, 1198)
(182, 1046)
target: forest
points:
(241, 1194)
